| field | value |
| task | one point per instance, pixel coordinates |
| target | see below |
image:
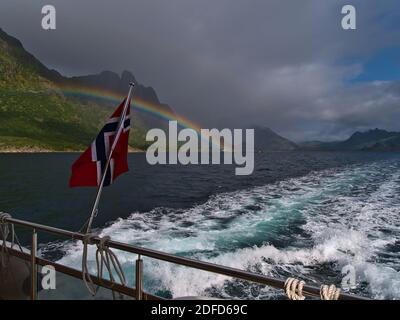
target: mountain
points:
(267, 140)
(367, 140)
(35, 114)
(372, 140)
(389, 143)
(112, 82)
(16, 61)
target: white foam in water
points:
(343, 216)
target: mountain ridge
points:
(35, 114)
(118, 84)
(268, 140)
(369, 140)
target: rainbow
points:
(137, 103)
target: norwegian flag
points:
(88, 170)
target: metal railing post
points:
(33, 266)
(139, 278)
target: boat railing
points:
(137, 291)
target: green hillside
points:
(35, 115)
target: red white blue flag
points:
(88, 170)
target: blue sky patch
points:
(384, 66)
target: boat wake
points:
(309, 227)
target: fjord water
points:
(303, 214)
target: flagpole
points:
(118, 133)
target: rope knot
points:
(88, 238)
(294, 289)
(103, 242)
(3, 217)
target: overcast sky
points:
(286, 64)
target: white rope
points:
(329, 292)
(87, 279)
(4, 233)
(3, 217)
(105, 259)
(294, 289)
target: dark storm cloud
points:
(284, 64)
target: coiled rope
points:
(105, 259)
(329, 292)
(294, 289)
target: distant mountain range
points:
(371, 140)
(36, 114)
(267, 140)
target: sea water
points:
(300, 214)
